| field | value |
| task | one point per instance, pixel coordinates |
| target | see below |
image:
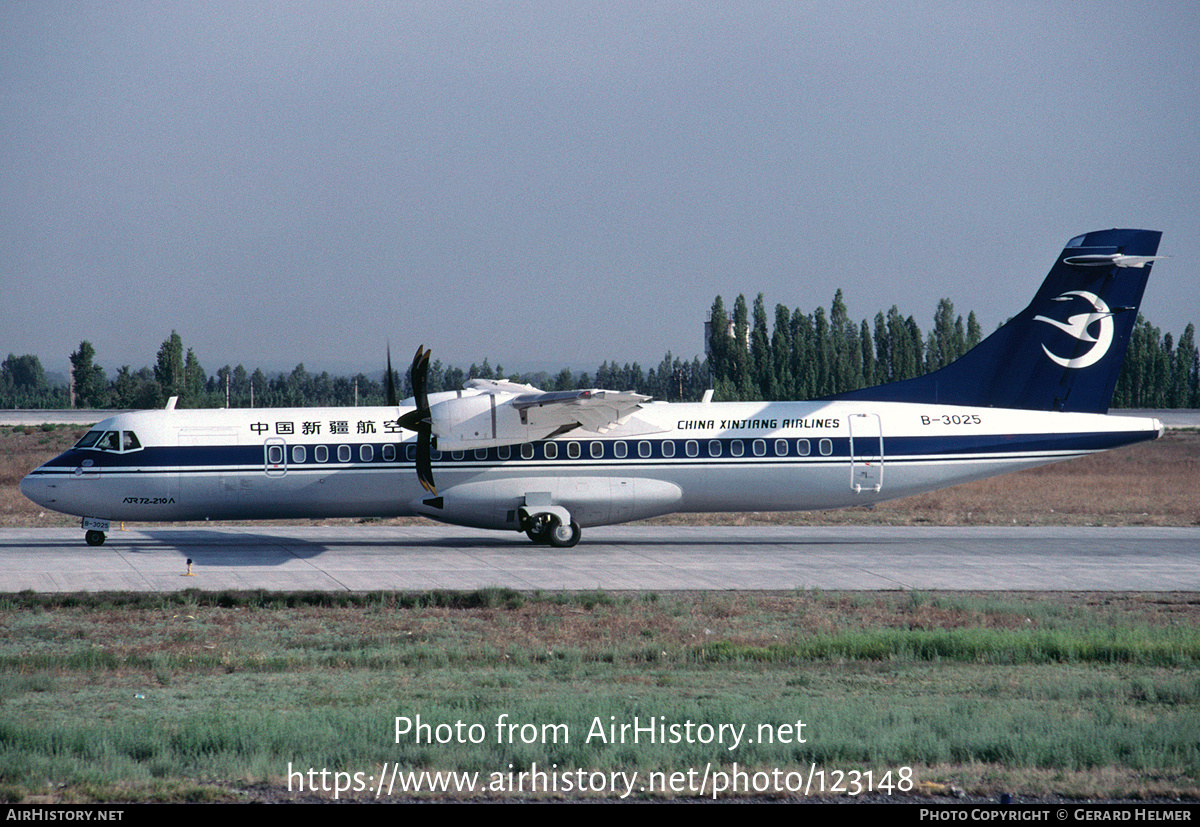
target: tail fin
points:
(1061, 353)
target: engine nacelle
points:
(480, 421)
(588, 501)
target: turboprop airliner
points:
(505, 456)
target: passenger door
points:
(866, 452)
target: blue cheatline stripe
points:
(215, 459)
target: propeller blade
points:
(424, 465)
(391, 382)
(418, 419)
(420, 378)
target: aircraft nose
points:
(34, 487)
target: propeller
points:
(418, 420)
(392, 401)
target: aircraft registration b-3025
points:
(506, 456)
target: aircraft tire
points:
(94, 538)
(539, 530)
(565, 536)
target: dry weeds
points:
(588, 624)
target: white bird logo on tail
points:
(1077, 327)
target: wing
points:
(491, 415)
(593, 410)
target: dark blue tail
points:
(1064, 351)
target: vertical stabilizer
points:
(1061, 353)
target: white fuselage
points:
(357, 462)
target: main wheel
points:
(538, 529)
(94, 538)
(565, 536)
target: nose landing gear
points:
(95, 528)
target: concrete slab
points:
(659, 558)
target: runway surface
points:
(657, 558)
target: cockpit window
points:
(117, 441)
(89, 439)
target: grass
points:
(115, 697)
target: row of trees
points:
(23, 382)
(1158, 372)
(673, 379)
(808, 355)
(801, 356)
(805, 356)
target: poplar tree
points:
(91, 388)
(168, 370)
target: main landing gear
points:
(94, 538)
(551, 530)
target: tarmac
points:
(615, 558)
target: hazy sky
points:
(560, 184)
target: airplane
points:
(501, 455)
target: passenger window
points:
(668, 448)
(366, 453)
(550, 449)
(803, 448)
(389, 453)
(643, 449)
(527, 451)
(597, 450)
(481, 453)
(735, 448)
(504, 451)
(343, 453)
(434, 454)
(573, 450)
(781, 447)
(826, 447)
(760, 448)
(410, 452)
(299, 453)
(692, 448)
(456, 454)
(714, 447)
(321, 454)
(619, 450)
